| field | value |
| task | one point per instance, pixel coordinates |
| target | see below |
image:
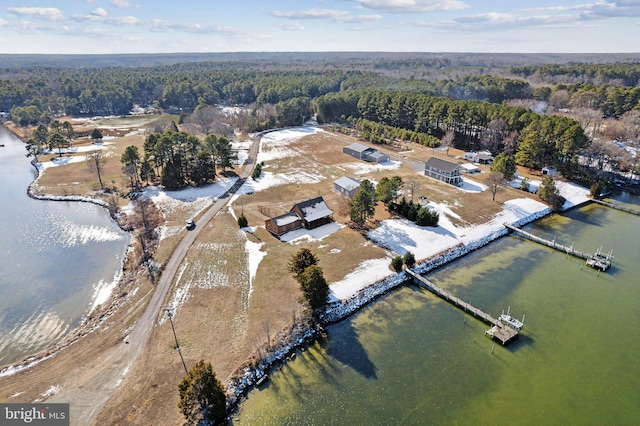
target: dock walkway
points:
(498, 331)
(616, 206)
(597, 261)
(570, 250)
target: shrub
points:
(396, 263)
(409, 259)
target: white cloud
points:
(329, 14)
(49, 13)
(289, 26)
(97, 16)
(160, 25)
(612, 9)
(412, 6)
(99, 12)
(120, 3)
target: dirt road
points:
(88, 391)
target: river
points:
(57, 259)
(411, 358)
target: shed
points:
(347, 186)
(549, 171)
(484, 158)
(469, 168)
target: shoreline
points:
(299, 337)
(94, 317)
(335, 312)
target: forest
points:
(543, 110)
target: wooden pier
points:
(616, 206)
(498, 331)
(598, 260)
(569, 250)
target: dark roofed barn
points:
(366, 153)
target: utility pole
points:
(170, 315)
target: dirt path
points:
(88, 392)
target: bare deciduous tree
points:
(413, 186)
(447, 139)
(493, 136)
(207, 120)
(495, 181)
(95, 162)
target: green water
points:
(411, 358)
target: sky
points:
(159, 26)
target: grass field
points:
(224, 316)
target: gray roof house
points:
(366, 153)
(442, 170)
(347, 186)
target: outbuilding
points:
(549, 171)
(347, 186)
(366, 153)
(469, 168)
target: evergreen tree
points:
(549, 193)
(362, 205)
(409, 259)
(301, 261)
(396, 263)
(314, 287)
(388, 190)
(202, 398)
(504, 164)
(96, 135)
(242, 221)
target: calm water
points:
(54, 258)
(411, 358)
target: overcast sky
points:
(154, 26)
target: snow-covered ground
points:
(361, 167)
(398, 236)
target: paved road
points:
(88, 392)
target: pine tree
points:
(301, 261)
(314, 287)
(202, 398)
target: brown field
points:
(227, 320)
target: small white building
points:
(469, 168)
(549, 171)
(482, 157)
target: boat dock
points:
(498, 331)
(616, 206)
(598, 260)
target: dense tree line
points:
(620, 74)
(542, 140)
(49, 91)
(611, 101)
(35, 94)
